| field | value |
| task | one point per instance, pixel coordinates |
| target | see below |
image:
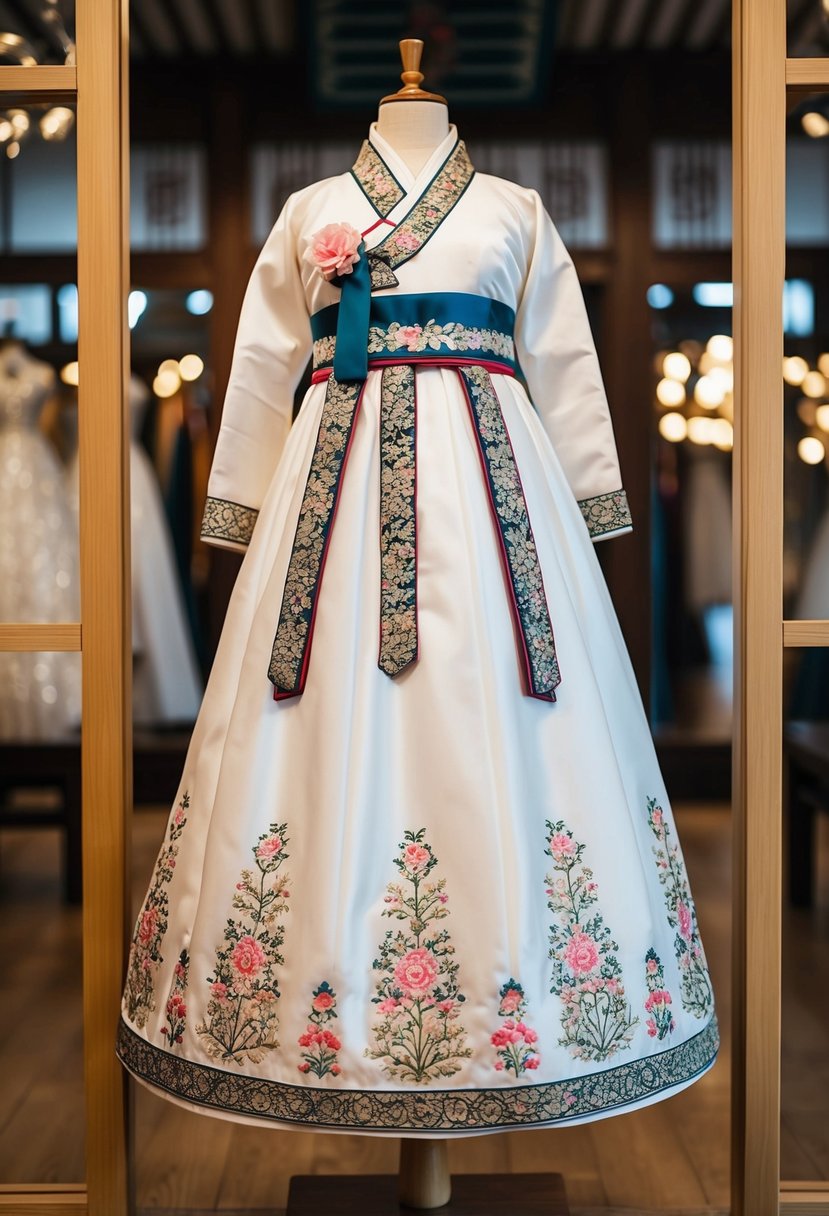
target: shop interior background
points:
(619, 113)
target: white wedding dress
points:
(40, 693)
(166, 684)
(422, 876)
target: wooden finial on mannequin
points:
(411, 50)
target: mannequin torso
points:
(414, 129)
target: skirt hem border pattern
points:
(461, 1110)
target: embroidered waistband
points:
(434, 325)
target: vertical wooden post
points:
(103, 284)
(759, 114)
(229, 242)
(627, 355)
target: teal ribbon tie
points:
(351, 354)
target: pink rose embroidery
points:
(684, 916)
(511, 1001)
(417, 972)
(581, 953)
(408, 335)
(406, 240)
(562, 845)
(319, 1044)
(333, 249)
(415, 857)
(248, 957)
(268, 848)
(514, 1040)
(147, 926)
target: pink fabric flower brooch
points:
(334, 250)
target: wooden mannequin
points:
(414, 130)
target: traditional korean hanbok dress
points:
(421, 876)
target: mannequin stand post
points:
(424, 1185)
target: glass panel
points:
(39, 548)
(41, 1026)
(170, 454)
(805, 1037)
(691, 536)
(805, 842)
(33, 35)
(41, 1055)
(806, 403)
(808, 28)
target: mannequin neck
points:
(414, 129)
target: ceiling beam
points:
(706, 20)
(211, 12)
(567, 22)
(592, 14)
(669, 23)
(178, 26)
(257, 28)
(278, 20)
(140, 38)
(158, 25)
(628, 26)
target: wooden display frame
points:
(764, 83)
(98, 87)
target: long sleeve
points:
(273, 344)
(558, 359)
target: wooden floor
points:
(669, 1157)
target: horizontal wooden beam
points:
(27, 636)
(44, 1199)
(804, 1198)
(806, 633)
(51, 83)
(804, 76)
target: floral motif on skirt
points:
(596, 1017)
(418, 1035)
(145, 952)
(695, 989)
(242, 1020)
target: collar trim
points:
(429, 211)
(376, 180)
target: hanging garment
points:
(421, 875)
(166, 684)
(40, 693)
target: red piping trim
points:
(321, 374)
(377, 224)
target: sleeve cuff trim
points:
(606, 513)
(228, 521)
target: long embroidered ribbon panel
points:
(398, 532)
(517, 543)
(292, 644)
